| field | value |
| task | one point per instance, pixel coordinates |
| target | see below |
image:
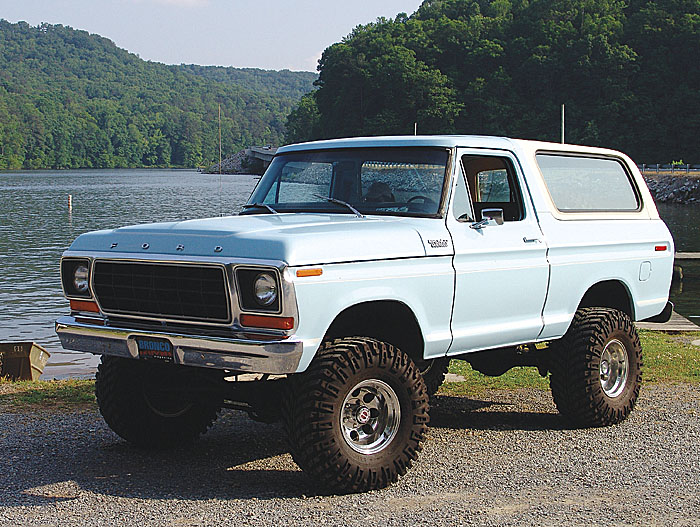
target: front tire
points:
(597, 368)
(357, 418)
(140, 403)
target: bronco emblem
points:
(435, 244)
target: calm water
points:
(36, 226)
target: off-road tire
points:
(314, 406)
(577, 379)
(126, 391)
(433, 372)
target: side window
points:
(588, 184)
(493, 185)
(460, 201)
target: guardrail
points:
(658, 168)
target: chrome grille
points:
(189, 292)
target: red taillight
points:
(84, 305)
(260, 321)
(660, 248)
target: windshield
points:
(396, 181)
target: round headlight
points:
(80, 279)
(265, 288)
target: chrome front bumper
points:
(250, 356)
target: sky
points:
(268, 34)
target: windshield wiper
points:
(260, 206)
(341, 202)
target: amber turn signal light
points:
(309, 272)
(260, 321)
(84, 305)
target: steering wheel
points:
(426, 199)
(427, 203)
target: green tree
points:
(69, 99)
(303, 123)
(626, 70)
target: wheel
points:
(139, 401)
(433, 372)
(357, 418)
(596, 368)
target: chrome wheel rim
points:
(370, 416)
(613, 368)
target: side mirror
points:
(488, 217)
(493, 214)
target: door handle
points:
(531, 240)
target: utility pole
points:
(221, 190)
(562, 124)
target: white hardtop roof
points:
(446, 141)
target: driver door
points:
(501, 269)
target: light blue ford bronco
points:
(357, 270)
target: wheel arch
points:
(390, 321)
(612, 293)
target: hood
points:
(297, 239)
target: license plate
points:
(153, 348)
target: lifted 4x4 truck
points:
(357, 270)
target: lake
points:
(36, 227)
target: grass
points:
(62, 394)
(668, 358)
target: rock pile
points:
(236, 164)
(674, 189)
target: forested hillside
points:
(628, 72)
(283, 83)
(69, 99)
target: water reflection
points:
(684, 223)
(685, 293)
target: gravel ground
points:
(502, 458)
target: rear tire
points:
(357, 418)
(596, 368)
(139, 401)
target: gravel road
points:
(502, 458)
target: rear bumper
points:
(250, 356)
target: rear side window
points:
(588, 184)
